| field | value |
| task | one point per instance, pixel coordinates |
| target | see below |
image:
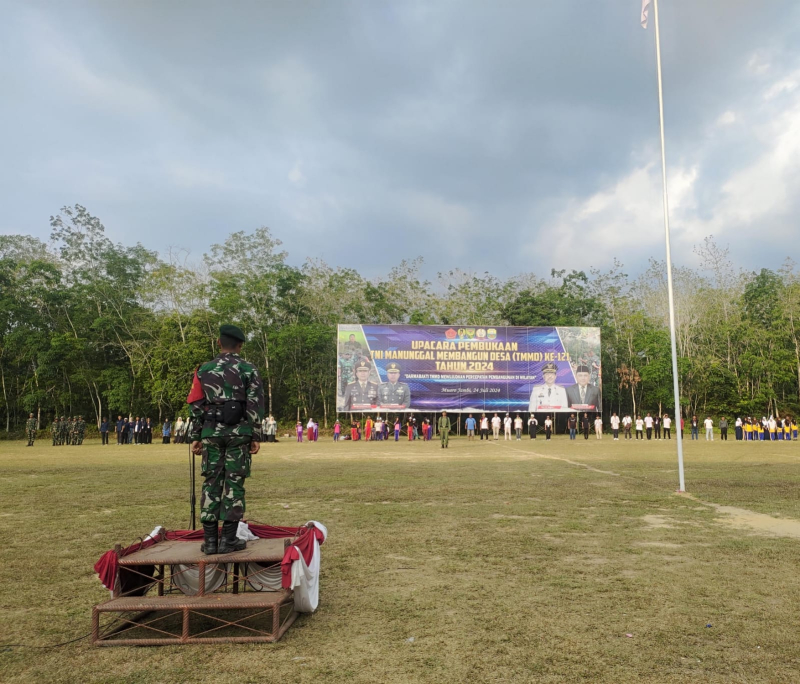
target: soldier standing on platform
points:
(227, 407)
(30, 429)
(444, 429)
(55, 430)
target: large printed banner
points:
(398, 368)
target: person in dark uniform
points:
(533, 426)
(394, 394)
(361, 394)
(585, 425)
(104, 431)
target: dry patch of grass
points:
(527, 561)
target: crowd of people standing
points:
(64, 430)
(627, 427)
(139, 430)
(131, 431)
(383, 429)
(772, 429)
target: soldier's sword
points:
(192, 484)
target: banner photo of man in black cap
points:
(361, 395)
(394, 394)
(582, 395)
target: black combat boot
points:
(210, 538)
(228, 542)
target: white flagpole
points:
(675, 383)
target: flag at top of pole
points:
(670, 295)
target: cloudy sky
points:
(504, 136)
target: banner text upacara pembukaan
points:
(398, 368)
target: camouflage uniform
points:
(62, 431)
(72, 437)
(30, 429)
(348, 373)
(355, 348)
(226, 448)
(80, 430)
(55, 430)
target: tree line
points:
(96, 328)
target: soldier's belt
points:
(230, 413)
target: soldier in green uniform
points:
(55, 428)
(394, 394)
(81, 430)
(30, 429)
(444, 429)
(62, 431)
(72, 439)
(227, 407)
(348, 373)
(354, 347)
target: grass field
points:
(515, 561)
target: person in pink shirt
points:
(337, 429)
(299, 431)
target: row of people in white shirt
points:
(647, 425)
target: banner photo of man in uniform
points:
(468, 369)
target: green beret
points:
(232, 331)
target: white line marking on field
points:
(565, 460)
(741, 518)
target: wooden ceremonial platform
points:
(171, 593)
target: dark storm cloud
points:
(494, 136)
